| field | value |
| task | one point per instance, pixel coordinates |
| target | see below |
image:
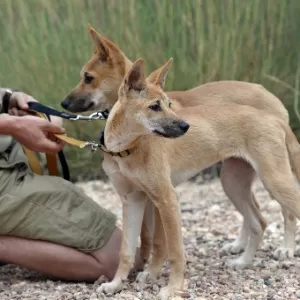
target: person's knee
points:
(108, 255)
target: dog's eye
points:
(88, 79)
(155, 107)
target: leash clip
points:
(92, 146)
(98, 115)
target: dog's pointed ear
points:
(135, 78)
(158, 77)
(100, 47)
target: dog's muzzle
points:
(173, 130)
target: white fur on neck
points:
(120, 142)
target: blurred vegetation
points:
(44, 44)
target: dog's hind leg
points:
(277, 177)
(290, 225)
(237, 177)
(159, 254)
(147, 234)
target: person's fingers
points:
(53, 128)
(20, 100)
(51, 147)
(22, 113)
(13, 111)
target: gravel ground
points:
(209, 221)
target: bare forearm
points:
(8, 124)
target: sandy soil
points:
(209, 221)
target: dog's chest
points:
(121, 165)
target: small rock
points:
(278, 278)
(286, 264)
(202, 252)
(183, 294)
(155, 288)
(260, 281)
(297, 294)
(268, 281)
(93, 297)
(273, 266)
(254, 295)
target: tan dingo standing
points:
(165, 148)
(98, 88)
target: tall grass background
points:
(45, 43)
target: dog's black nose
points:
(184, 126)
(65, 103)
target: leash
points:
(42, 110)
(38, 107)
(45, 112)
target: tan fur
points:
(149, 173)
(108, 65)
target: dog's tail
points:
(293, 148)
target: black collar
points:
(102, 144)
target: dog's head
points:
(144, 101)
(100, 77)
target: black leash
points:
(36, 106)
(48, 111)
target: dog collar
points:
(124, 153)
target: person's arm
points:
(8, 125)
(31, 131)
(5, 95)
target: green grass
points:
(44, 44)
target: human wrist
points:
(9, 125)
(5, 96)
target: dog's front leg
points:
(133, 211)
(165, 199)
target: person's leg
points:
(49, 225)
(61, 262)
(50, 259)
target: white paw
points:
(283, 253)
(164, 293)
(233, 248)
(142, 277)
(239, 263)
(146, 276)
(109, 288)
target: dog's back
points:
(237, 92)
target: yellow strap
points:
(69, 140)
(51, 158)
(33, 161)
(52, 164)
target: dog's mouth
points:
(160, 133)
(166, 135)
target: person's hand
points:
(36, 134)
(18, 104)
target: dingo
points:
(164, 148)
(98, 88)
